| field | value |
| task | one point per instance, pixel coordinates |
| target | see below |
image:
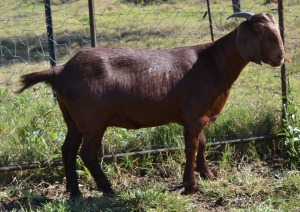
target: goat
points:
(136, 88)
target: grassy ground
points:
(32, 129)
(148, 185)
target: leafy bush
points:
(291, 132)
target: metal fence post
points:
(284, 85)
(237, 7)
(210, 21)
(92, 23)
(94, 44)
(50, 32)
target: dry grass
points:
(245, 186)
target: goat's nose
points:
(280, 57)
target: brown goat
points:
(135, 88)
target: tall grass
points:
(29, 133)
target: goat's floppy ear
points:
(248, 43)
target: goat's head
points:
(259, 39)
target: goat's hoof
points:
(190, 190)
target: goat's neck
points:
(228, 59)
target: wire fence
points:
(149, 24)
(118, 156)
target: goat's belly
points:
(134, 123)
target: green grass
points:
(28, 135)
(139, 199)
(146, 184)
(244, 189)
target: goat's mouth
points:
(275, 63)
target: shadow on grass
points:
(23, 203)
(34, 49)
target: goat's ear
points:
(248, 43)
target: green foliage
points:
(291, 132)
(118, 140)
(244, 121)
(29, 133)
(167, 136)
(227, 156)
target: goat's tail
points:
(47, 76)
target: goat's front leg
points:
(191, 136)
(201, 163)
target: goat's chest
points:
(217, 106)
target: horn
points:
(245, 15)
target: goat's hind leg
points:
(69, 153)
(89, 153)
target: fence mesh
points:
(256, 95)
